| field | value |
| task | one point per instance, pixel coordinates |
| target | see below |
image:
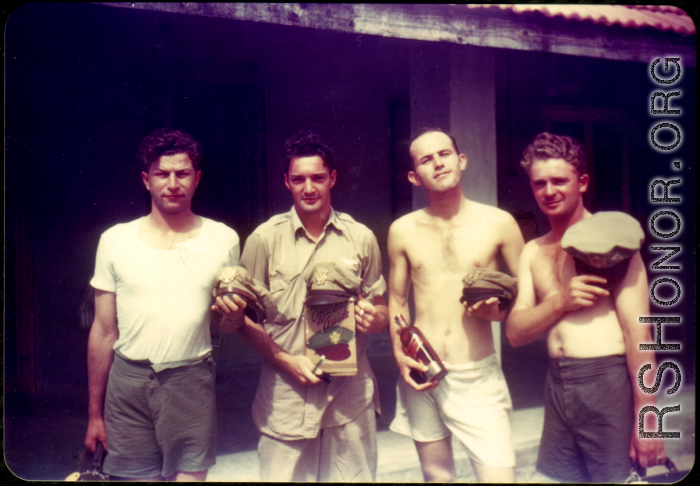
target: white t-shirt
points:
(163, 296)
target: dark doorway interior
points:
(230, 122)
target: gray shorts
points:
(588, 418)
(159, 423)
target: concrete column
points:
(473, 118)
(454, 87)
(429, 92)
(473, 123)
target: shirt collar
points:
(297, 224)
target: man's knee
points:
(436, 460)
(437, 473)
(493, 474)
(181, 476)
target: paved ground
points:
(43, 434)
(398, 460)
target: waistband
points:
(582, 370)
(158, 367)
(471, 365)
(598, 361)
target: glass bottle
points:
(417, 347)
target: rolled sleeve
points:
(254, 259)
(374, 283)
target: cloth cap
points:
(603, 245)
(332, 343)
(480, 284)
(237, 280)
(331, 282)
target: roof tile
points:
(662, 17)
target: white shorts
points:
(472, 402)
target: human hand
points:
(300, 368)
(582, 291)
(96, 432)
(646, 452)
(406, 364)
(232, 308)
(368, 318)
(486, 309)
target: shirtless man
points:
(433, 249)
(590, 332)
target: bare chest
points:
(552, 269)
(437, 250)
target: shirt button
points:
(151, 376)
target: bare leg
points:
(198, 476)
(493, 474)
(436, 460)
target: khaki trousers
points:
(346, 453)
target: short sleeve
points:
(104, 278)
(374, 283)
(254, 259)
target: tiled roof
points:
(662, 17)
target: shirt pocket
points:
(282, 296)
(278, 285)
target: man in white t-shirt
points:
(150, 373)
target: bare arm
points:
(511, 249)
(529, 319)
(399, 284)
(632, 301)
(513, 244)
(103, 334)
(299, 367)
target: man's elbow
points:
(104, 330)
(515, 338)
(396, 301)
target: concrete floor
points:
(43, 433)
(398, 460)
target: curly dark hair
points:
(168, 141)
(550, 146)
(307, 143)
(429, 130)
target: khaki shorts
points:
(159, 423)
(472, 402)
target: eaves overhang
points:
(607, 32)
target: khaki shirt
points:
(276, 254)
